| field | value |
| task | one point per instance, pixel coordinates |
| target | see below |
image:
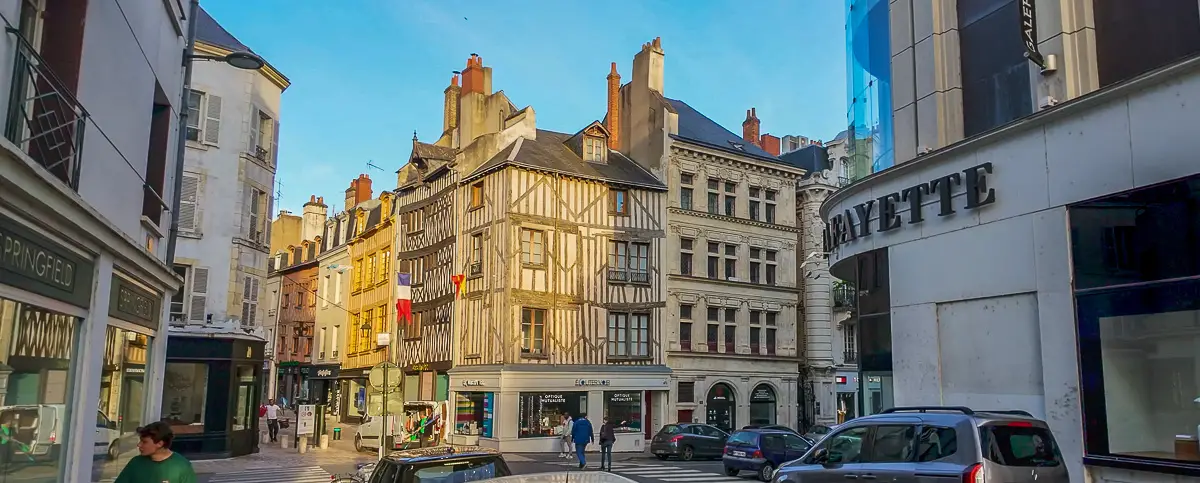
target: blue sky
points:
(367, 73)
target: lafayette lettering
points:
(855, 223)
(32, 261)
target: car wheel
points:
(766, 472)
(113, 451)
(661, 456)
(358, 443)
(687, 454)
(731, 471)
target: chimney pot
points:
(614, 108)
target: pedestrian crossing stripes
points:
(298, 474)
(665, 473)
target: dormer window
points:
(594, 149)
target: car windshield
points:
(744, 438)
(1012, 445)
(455, 471)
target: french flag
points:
(404, 297)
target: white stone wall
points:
(1003, 332)
(226, 170)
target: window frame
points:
(533, 250)
(687, 256)
(632, 339)
(628, 257)
(533, 345)
(686, 187)
(618, 202)
(686, 322)
(476, 260)
(196, 117)
(476, 194)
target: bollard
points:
(264, 437)
(303, 446)
(337, 434)
(285, 443)
(324, 441)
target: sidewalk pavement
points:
(273, 455)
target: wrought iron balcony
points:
(844, 296)
(261, 154)
(850, 357)
(44, 119)
(617, 275)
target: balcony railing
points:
(850, 357)
(844, 297)
(44, 118)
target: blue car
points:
(761, 451)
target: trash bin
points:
(337, 434)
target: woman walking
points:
(568, 425)
(607, 438)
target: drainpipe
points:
(181, 148)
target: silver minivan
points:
(933, 444)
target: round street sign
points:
(394, 376)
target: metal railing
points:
(850, 357)
(261, 154)
(44, 119)
(844, 296)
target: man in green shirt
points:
(157, 463)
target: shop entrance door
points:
(648, 418)
(721, 406)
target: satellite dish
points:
(394, 376)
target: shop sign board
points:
(307, 419)
(855, 223)
(1029, 33)
(31, 261)
(131, 303)
(552, 398)
(621, 397)
(592, 382)
(325, 372)
(472, 383)
(763, 394)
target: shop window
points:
(473, 413)
(40, 347)
(185, 387)
(624, 411)
(122, 398)
(762, 405)
(541, 415)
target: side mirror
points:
(112, 425)
(820, 456)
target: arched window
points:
(762, 405)
(721, 407)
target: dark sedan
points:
(687, 441)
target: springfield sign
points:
(855, 223)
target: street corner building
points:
(1029, 242)
(217, 369)
(581, 261)
(87, 169)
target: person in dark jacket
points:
(607, 438)
(582, 434)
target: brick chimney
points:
(473, 76)
(363, 189)
(750, 127)
(351, 194)
(769, 144)
(614, 108)
(314, 216)
(450, 109)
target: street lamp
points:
(241, 60)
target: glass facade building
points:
(870, 135)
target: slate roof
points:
(431, 152)
(549, 153)
(211, 32)
(698, 128)
(811, 158)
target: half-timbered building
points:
(559, 239)
(425, 243)
(731, 290)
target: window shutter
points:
(212, 120)
(254, 291)
(199, 294)
(247, 210)
(246, 290)
(254, 121)
(189, 201)
(275, 145)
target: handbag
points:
(283, 423)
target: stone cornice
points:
(751, 164)
(732, 219)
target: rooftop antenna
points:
(371, 164)
(278, 191)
